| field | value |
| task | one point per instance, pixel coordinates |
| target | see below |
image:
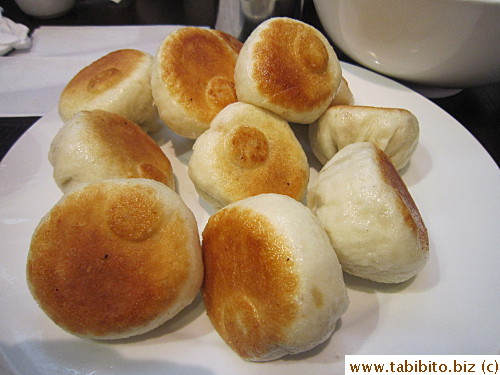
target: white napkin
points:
(12, 35)
(32, 80)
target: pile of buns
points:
(120, 253)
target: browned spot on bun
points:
(145, 219)
(103, 74)
(93, 282)
(312, 52)
(136, 152)
(148, 170)
(249, 283)
(277, 73)
(265, 166)
(317, 297)
(259, 154)
(220, 92)
(249, 147)
(191, 58)
(104, 80)
(407, 205)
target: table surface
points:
(478, 109)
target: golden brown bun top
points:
(197, 66)
(103, 74)
(259, 163)
(108, 258)
(248, 151)
(292, 65)
(125, 143)
(239, 244)
(407, 205)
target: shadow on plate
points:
(82, 357)
(321, 353)
(166, 138)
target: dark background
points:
(478, 109)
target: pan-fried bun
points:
(248, 151)
(115, 258)
(192, 78)
(97, 145)
(119, 82)
(289, 68)
(394, 130)
(273, 284)
(369, 215)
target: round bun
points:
(248, 151)
(192, 78)
(97, 145)
(395, 131)
(369, 215)
(273, 284)
(115, 258)
(119, 82)
(288, 67)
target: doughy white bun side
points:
(344, 94)
(119, 82)
(369, 215)
(279, 287)
(193, 78)
(289, 68)
(115, 259)
(96, 145)
(248, 151)
(174, 115)
(394, 130)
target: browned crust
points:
(102, 74)
(248, 147)
(291, 66)
(249, 285)
(107, 260)
(235, 44)
(197, 66)
(257, 160)
(126, 144)
(349, 107)
(407, 205)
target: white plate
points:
(451, 307)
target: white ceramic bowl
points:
(438, 43)
(45, 8)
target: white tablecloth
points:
(32, 80)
